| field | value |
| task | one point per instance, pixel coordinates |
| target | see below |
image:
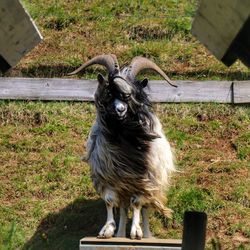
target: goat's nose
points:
(120, 108)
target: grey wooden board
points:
(83, 90)
(18, 33)
(47, 89)
(132, 247)
(217, 23)
(91, 243)
(192, 91)
(242, 92)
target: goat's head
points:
(121, 94)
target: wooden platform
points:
(91, 243)
(65, 89)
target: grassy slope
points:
(46, 195)
(45, 190)
(77, 30)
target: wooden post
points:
(194, 232)
(91, 243)
(18, 33)
(223, 27)
(241, 91)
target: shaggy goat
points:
(129, 156)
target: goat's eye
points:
(108, 96)
(126, 96)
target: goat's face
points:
(122, 96)
(117, 98)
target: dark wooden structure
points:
(224, 28)
(18, 33)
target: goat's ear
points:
(101, 79)
(144, 83)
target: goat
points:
(130, 158)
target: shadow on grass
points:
(64, 229)
(61, 70)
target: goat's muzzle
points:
(120, 109)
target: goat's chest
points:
(119, 156)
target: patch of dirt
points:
(146, 32)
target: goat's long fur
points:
(129, 156)
(129, 164)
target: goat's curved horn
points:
(139, 63)
(108, 61)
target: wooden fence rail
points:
(83, 90)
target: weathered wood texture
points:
(241, 91)
(217, 25)
(160, 91)
(91, 243)
(191, 91)
(18, 33)
(47, 89)
(83, 90)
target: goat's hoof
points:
(136, 232)
(107, 231)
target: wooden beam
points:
(217, 24)
(83, 90)
(91, 243)
(47, 89)
(191, 91)
(18, 33)
(241, 91)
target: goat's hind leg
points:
(122, 222)
(108, 229)
(145, 222)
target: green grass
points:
(78, 30)
(47, 198)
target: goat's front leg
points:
(108, 229)
(136, 232)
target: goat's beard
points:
(113, 117)
(122, 118)
(137, 123)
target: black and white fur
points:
(130, 158)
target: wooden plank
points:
(124, 241)
(47, 89)
(18, 33)
(83, 90)
(217, 23)
(241, 91)
(191, 91)
(91, 243)
(128, 247)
